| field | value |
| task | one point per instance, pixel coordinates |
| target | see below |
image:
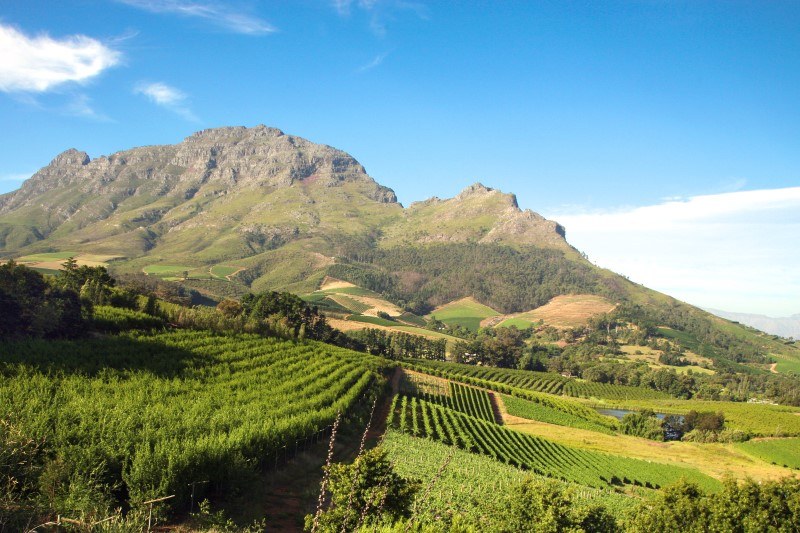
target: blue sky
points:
(585, 110)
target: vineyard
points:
(468, 400)
(471, 488)
(420, 418)
(781, 452)
(534, 381)
(142, 416)
(545, 410)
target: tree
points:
(365, 492)
(544, 507)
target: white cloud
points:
(733, 251)
(374, 63)
(42, 63)
(217, 13)
(166, 96)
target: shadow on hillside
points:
(90, 357)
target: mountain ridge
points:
(272, 187)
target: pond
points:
(619, 413)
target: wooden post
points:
(150, 512)
(191, 504)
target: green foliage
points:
(544, 507)
(113, 319)
(398, 345)
(284, 312)
(33, 306)
(643, 424)
(739, 507)
(364, 493)
(505, 278)
(125, 419)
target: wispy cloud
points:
(376, 62)
(168, 97)
(733, 251)
(81, 106)
(41, 63)
(380, 11)
(217, 13)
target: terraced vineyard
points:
(151, 413)
(781, 452)
(555, 412)
(535, 381)
(421, 418)
(467, 400)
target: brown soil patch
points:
(333, 283)
(566, 311)
(772, 368)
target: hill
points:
(232, 210)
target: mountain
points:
(784, 326)
(253, 195)
(234, 209)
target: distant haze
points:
(785, 327)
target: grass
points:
(222, 271)
(166, 270)
(467, 313)
(785, 366)
(781, 452)
(519, 323)
(51, 256)
(372, 320)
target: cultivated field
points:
(567, 311)
(466, 312)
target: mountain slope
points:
(277, 211)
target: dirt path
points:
(508, 420)
(773, 367)
(495, 401)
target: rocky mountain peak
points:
(71, 157)
(478, 190)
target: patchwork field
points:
(466, 312)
